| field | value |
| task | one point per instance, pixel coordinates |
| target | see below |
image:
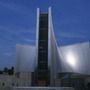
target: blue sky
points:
(71, 19)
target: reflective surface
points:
(75, 58)
(25, 58)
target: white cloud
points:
(72, 35)
(17, 30)
(8, 53)
(15, 7)
(29, 40)
(15, 34)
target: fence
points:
(43, 88)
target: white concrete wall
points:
(7, 80)
(24, 79)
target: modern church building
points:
(47, 64)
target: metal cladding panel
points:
(53, 54)
(75, 58)
(25, 58)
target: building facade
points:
(47, 64)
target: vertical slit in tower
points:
(42, 69)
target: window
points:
(3, 84)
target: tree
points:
(11, 71)
(5, 70)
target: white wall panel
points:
(75, 58)
(25, 58)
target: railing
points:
(43, 88)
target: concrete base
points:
(43, 88)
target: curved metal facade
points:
(25, 58)
(73, 58)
